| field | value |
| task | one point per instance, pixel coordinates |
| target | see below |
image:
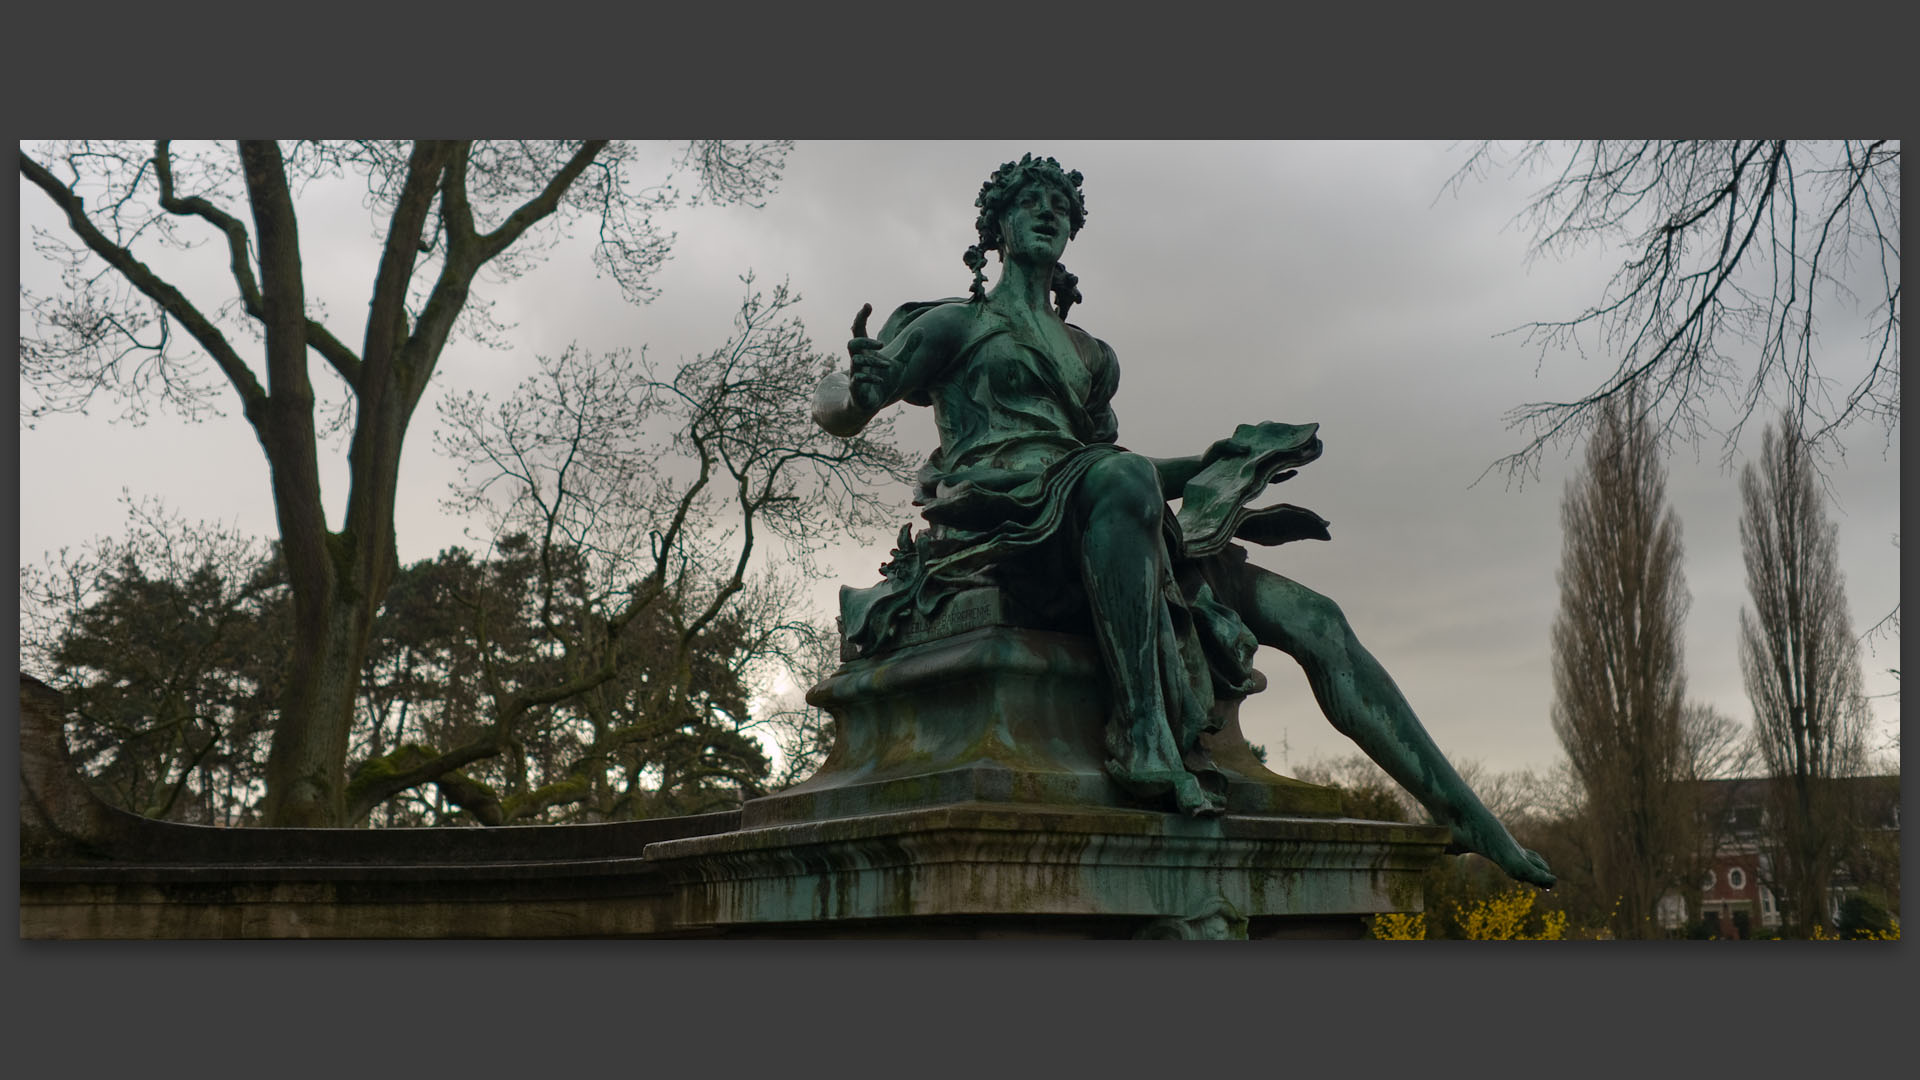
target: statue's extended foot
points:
(1192, 799)
(1544, 878)
(1491, 840)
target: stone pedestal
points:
(995, 714)
(1003, 870)
(966, 796)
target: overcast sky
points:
(1333, 283)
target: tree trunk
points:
(306, 772)
(337, 589)
(338, 579)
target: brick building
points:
(1735, 900)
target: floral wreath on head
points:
(996, 195)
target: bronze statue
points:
(1028, 491)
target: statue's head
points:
(1000, 190)
(999, 194)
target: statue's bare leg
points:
(1360, 699)
(1123, 560)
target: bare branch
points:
(239, 260)
(1696, 216)
(336, 354)
(541, 205)
(386, 321)
(170, 300)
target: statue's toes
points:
(1543, 875)
(1196, 801)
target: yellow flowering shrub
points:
(1504, 917)
(1400, 927)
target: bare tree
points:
(660, 490)
(1618, 676)
(448, 211)
(802, 734)
(1366, 791)
(1801, 662)
(1738, 252)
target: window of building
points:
(1736, 878)
(1673, 911)
(1706, 882)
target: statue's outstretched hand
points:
(871, 371)
(1223, 448)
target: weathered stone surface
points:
(995, 714)
(1103, 872)
(547, 899)
(956, 868)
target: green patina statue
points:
(1029, 493)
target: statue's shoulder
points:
(951, 316)
(1084, 340)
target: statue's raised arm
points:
(909, 355)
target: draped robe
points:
(1020, 427)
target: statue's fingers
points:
(860, 321)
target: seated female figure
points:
(1029, 491)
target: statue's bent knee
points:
(1324, 617)
(1127, 484)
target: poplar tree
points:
(1801, 663)
(1619, 680)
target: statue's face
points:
(1035, 226)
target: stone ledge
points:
(1057, 859)
(1042, 862)
(974, 870)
